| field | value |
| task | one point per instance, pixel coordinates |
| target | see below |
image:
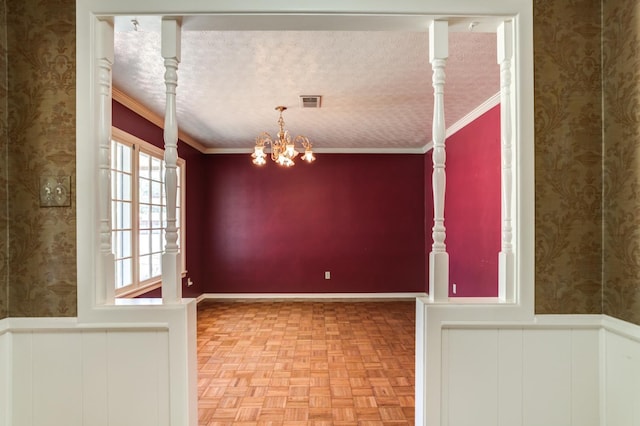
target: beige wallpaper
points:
(568, 157)
(3, 166)
(621, 82)
(41, 51)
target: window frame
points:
(139, 287)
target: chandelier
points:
(283, 149)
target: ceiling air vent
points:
(310, 101)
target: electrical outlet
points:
(327, 275)
(455, 288)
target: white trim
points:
(368, 150)
(310, 296)
(4, 326)
(144, 112)
(43, 325)
(428, 147)
(228, 150)
(135, 292)
(139, 146)
(182, 338)
(539, 322)
(149, 115)
(325, 150)
(621, 328)
(474, 114)
(6, 385)
(467, 119)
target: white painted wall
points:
(521, 377)
(86, 377)
(621, 370)
(4, 374)
(570, 370)
(552, 370)
(59, 372)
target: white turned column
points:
(171, 267)
(438, 258)
(105, 284)
(506, 285)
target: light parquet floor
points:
(306, 363)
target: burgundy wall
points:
(472, 206)
(428, 213)
(132, 123)
(271, 229)
(365, 218)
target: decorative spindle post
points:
(171, 267)
(438, 258)
(506, 287)
(105, 284)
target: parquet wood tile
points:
(306, 363)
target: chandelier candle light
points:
(283, 149)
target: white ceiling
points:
(375, 85)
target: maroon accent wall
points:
(428, 210)
(130, 122)
(276, 230)
(364, 218)
(472, 206)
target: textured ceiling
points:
(375, 85)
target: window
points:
(138, 215)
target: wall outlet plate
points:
(55, 191)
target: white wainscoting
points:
(86, 377)
(482, 365)
(520, 377)
(60, 372)
(4, 374)
(621, 370)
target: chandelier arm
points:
(303, 141)
(283, 148)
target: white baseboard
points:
(310, 296)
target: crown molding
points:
(467, 119)
(325, 151)
(368, 151)
(146, 113)
(151, 116)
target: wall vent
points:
(310, 101)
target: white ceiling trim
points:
(146, 113)
(467, 119)
(249, 150)
(151, 116)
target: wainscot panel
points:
(64, 374)
(552, 368)
(477, 365)
(4, 374)
(622, 373)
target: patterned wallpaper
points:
(41, 127)
(621, 78)
(4, 247)
(568, 157)
(41, 40)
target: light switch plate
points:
(55, 191)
